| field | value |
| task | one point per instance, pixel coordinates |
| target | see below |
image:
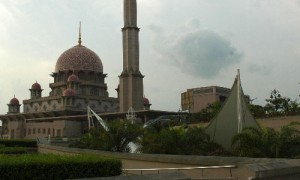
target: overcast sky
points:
(183, 44)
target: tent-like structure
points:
(232, 118)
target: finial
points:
(79, 39)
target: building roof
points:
(36, 86)
(79, 58)
(14, 101)
(146, 101)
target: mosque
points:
(78, 82)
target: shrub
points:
(116, 139)
(57, 167)
(184, 141)
(19, 143)
(13, 150)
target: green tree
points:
(252, 142)
(188, 141)
(207, 113)
(248, 143)
(289, 141)
(117, 138)
(293, 108)
(278, 105)
(257, 111)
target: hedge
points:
(49, 166)
(19, 143)
(13, 150)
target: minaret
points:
(131, 80)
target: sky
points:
(183, 44)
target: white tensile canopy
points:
(232, 118)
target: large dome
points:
(79, 58)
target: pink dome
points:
(79, 58)
(14, 101)
(146, 101)
(69, 92)
(73, 78)
(36, 86)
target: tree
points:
(278, 105)
(116, 139)
(248, 143)
(257, 111)
(207, 113)
(187, 141)
(252, 142)
(293, 108)
(289, 141)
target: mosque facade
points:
(78, 82)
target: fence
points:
(202, 168)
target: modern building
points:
(78, 82)
(196, 99)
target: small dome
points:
(69, 92)
(79, 58)
(146, 101)
(73, 78)
(36, 86)
(14, 101)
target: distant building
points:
(196, 99)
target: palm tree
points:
(117, 138)
(185, 141)
(289, 141)
(248, 143)
(252, 142)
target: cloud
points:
(193, 23)
(200, 53)
(261, 69)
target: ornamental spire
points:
(79, 39)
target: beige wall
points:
(196, 99)
(278, 122)
(275, 123)
(202, 100)
(33, 130)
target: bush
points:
(183, 141)
(116, 139)
(58, 167)
(19, 143)
(13, 150)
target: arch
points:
(61, 77)
(91, 76)
(54, 104)
(58, 92)
(45, 106)
(81, 75)
(36, 107)
(69, 74)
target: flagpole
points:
(240, 125)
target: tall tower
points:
(131, 80)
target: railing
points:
(158, 170)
